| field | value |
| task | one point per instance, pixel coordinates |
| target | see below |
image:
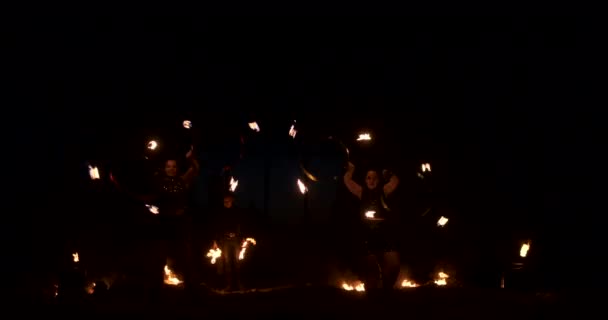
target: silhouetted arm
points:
(194, 169)
(351, 185)
(391, 185)
(140, 197)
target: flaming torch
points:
(93, 173)
(246, 243)
(233, 184)
(442, 221)
(214, 254)
(292, 130)
(523, 252)
(170, 277)
(75, 257)
(153, 209)
(187, 124)
(254, 126)
(152, 145)
(364, 137)
(302, 187)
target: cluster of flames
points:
(215, 253)
(358, 286)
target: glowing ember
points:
(93, 172)
(233, 184)
(370, 214)
(408, 284)
(152, 145)
(523, 252)
(442, 279)
(90, 289)
(254, 126)
(246, 243)
(357, 286)
(426, 167)
(302, 186)
(170, 277)
(364, 137)
(187, 124)
(75, 257)
(153, 209)
(293, 131)
(442, 221)
(214, 254)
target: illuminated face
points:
(228, 202)
(371, 179)
(171, 168)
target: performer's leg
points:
(370, 272)
(390, 269)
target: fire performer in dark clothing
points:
(229, 225)
(378, 227)
(173, 239)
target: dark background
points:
(500, 106)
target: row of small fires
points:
(441, 278)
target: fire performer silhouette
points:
(377, 226)
(229, 225)
(174, 235)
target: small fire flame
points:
(293, 131)
(370, 214)
(408, 284)
(356, 286)
(426, 167)
(254, 126)
(152, 145)
(302, 187)
(153, 209)
(170, 277)
(187, 124)
(214, 254)
(93, 172)
(90, 289)
(233, 184)
(246, 242)
(75, 257)
(442, 281)
(364, 137)
(523, 252)
(442, 221)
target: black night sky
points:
(501, 108)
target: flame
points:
(153, 209)
(293, 131)
(93, 172)
(442, 281)
(370, 214)
(246, 243)
(214, 254)
(523, 252)
(91, 288)
(302, 187)
(152, 145)
(233, 184)
(75, 257)
(442, 221)
(364, 137)
(187, 124)
(426, 167)
(254, 126)
(408, 284)
(356, 286)
(170, 277)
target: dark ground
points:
(424, 302)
